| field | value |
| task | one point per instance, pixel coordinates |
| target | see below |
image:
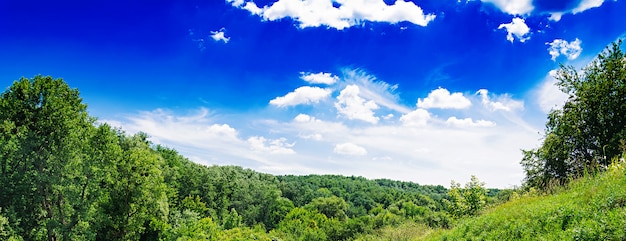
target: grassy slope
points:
(591, 208)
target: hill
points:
(589, 208)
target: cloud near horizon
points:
(413, 143)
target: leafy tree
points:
(42, 184)
(466, 201)
(332, 207)
(138, 195)
(585, 134)
(302, 224)
(277, 211)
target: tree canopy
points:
(590, 129)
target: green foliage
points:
(590, 208)
(587, 132)
(42, 166)
(466, 201)
(302, 224)
(332, 207)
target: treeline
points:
(64, 176)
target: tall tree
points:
(42, 123)
(586, 133)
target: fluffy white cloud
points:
(416, 118)
(514, 7)
(502, 102)
(302, 95)
(350, 105)
(548, 94)
(468, 122)
(570, 50)
(350, 149)
(220, 36)
(319, 78)
(518, 28)
(442, 98)
(338, 14)
(276, 146)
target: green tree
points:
(43, 122)
(466, 201)
(137, 200)
(332, 207)
(303, 225)
(585, 134)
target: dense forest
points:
(65, 176)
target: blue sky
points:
(423, 91)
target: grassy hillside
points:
(591, 208)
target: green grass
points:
(590, 208)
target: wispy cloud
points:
(350, 149)
(548, 94)
(338, 14)
(514, 7)
(502, 102)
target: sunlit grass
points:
(590, 208)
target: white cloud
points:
(302, 95)
(581, 7)
(570, 50)
(414, 145)
(315, 13)
(502, 102)
(518, 28)
(468, 122)
(587, 4)
(319, 78)
(220, 36)
(513, 7)
(276, 146)
(549, 96)
(350, 105)
(304, 118)
(350, 149)
(441, 98)
(416, 118)
(378, 91)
